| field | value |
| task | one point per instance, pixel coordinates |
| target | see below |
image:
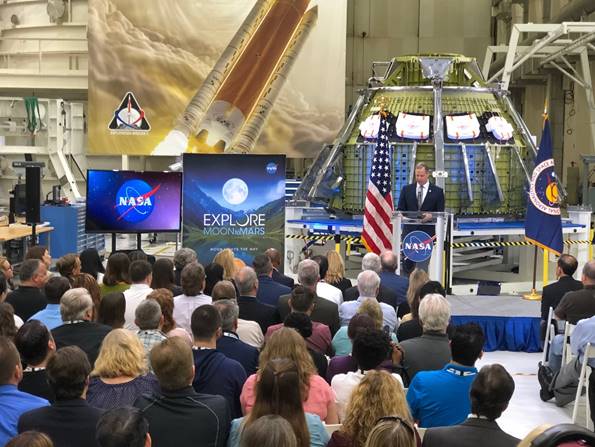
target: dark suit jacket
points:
(397, 284)
(69, 423)
(86, 335)
(434, 201)
(471, 433)
(282, 279)
(385, 295)
(27, 301)
(552, 294)
(429, 352)
(325, 312)
(234, 348)
(253, 310)
(270, 290)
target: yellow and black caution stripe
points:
(326, 237)
(507, 244)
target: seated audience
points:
(13, 403)
(179, 415)
(392, 431)
(335, 275)
(303, 325)
(563, 384)
(120, 373)
(250, 307)
(371, 347)
(76, 308)
(303, 300)
(229, 343)
(123, 427)
(248, 331)
(149, 320)
(89, 283)
(324, 290)
(342, 364)
(552, 293)
(30, 439)
(116, 278)
(397, 283)
(431, 351)
(111, 310)
(8, 321)
(278, 276)
(139, 255)
(141, 275)
(70, 420)
(8, 272)
(269, 431)
(165, 299)
(342, 340)
(182, 258)
(28, 298)
(226, 259)
(163, 276)
(376, 395)
(214, 274)
(278, 391)
(91, 264)
(269, 290)
(412, 328)
(54, 288)
(573, 307)
(325, 311)
(214, 372)
(368, 283)
(490, 393)
(36, 346)
(441, 398)
(371, 262)
(317, 395)
(417, 278)
(193, 284)
(41, 253)
(69, 266)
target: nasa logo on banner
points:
(135, 200)
(543, 191)
(417, 246)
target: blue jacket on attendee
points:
(50, 316)
(269, 291)
(397, 283)
(234, 348)
(13, 403)
(214, 373)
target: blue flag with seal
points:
(543, 224)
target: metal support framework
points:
(563, 44)
(467, 172)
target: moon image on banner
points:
(235, 191)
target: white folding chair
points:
(421, 432)
(549, 336)
(331, 428)
(566, 351)
(583, 381)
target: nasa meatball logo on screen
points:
(417, 246)
(271, 168)
(129, 118)
(135, 201)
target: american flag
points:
(378, 229)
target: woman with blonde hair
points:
(226, 259)
(120, 373)
(335, 275)
(30, 439)
(392, 431)
(417, 278)
(278, 393)
(378, 394)
(7, 271)
(317, 395)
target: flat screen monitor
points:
(133, 201)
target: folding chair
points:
(550, 333)
(583, 381)
(421, 432)
(566, 351)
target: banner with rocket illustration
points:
(226, 76)
(233, 201)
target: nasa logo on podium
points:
(417, 246)
(135, 201)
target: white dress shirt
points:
(349, 308)
(184, 306)
(134, 295)
(344, 384)
(329, 292)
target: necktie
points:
(420, 194)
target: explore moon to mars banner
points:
(233, 201)
(225, 76)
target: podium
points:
(418, 240)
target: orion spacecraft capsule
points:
(236, 97)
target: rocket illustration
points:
(230, 108)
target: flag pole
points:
(533, 296)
